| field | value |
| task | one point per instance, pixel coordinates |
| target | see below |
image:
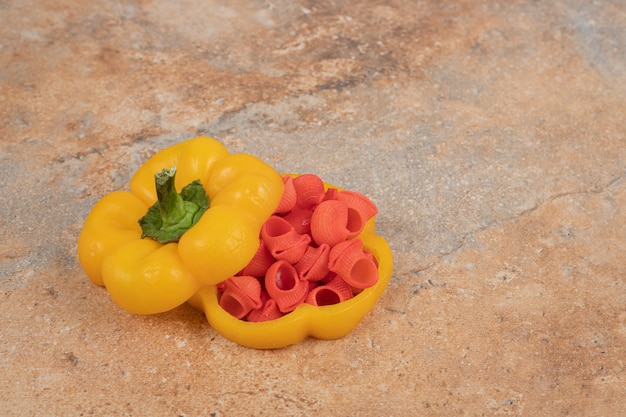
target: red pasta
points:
(329, 277)
(309, 190)
(285, 286)
(282, 240)
(241, 294)
(313, 266)
(309, 252)
(289, 198)
(348, 260)
(260, 262)
(360, 210)
(328, 222)
(300, 219)
(269, 310)
(334, 292)
(331, 194)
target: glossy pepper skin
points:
(326, 322)
(144, 276)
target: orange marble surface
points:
(491, 135)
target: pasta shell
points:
(289, 198)
(259, 263)
(282, 240)
(331, 194)
(309, 190)
(241, 295)
(269, 311)
(300, 219)
(328, 222)
(336, 291)
(285, 287)
(329, 277)
(354, 266)
(314, 263)
(372, 257)
(360, 210)
(355, 290)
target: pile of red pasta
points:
(309, 252)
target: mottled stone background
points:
(491, 135)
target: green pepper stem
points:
(173, 213)
(171, 204)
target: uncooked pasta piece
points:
(331, 194)
(328, 222)
(269, 311)
(309, 190)
(313, 266)
(300, 219)
(282, 240)
(329, 277)
(284, 286)
(360, 210)
(371, 257)
(336, 291)
(348, 260)
(241, 294)
(288, 200)
(259, 263)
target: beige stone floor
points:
(491, 135)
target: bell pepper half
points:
(191, 220)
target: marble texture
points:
(491, 135)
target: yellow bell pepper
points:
(154, 247)
(325, 322)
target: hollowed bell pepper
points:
(182, 245)
(325, 322)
